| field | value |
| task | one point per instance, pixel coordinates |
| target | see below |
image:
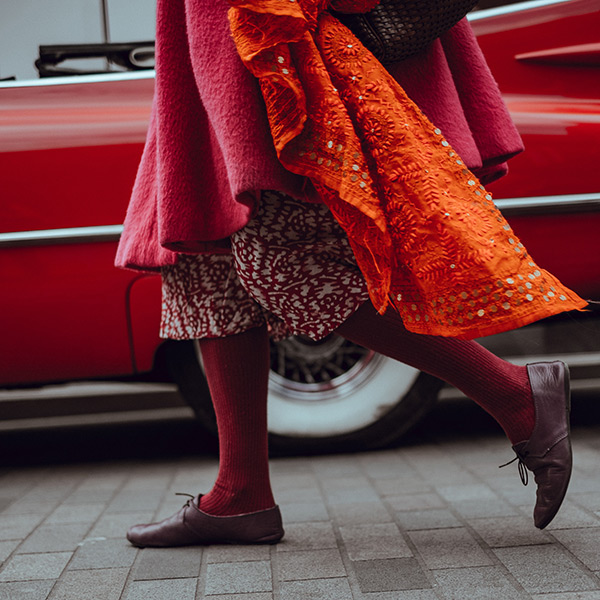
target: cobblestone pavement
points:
(434, 520)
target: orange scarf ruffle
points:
(426, 235)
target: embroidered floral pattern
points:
(420, 224)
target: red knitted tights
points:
(499, 387)
(237, 370)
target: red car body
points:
(69, 149)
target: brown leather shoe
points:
(192, 527)
(548, 451)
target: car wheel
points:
(324, 396)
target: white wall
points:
(25, 24)
(131, 20)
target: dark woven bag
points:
(397, 29)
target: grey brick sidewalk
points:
(437, 520)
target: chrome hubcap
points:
(315, 371)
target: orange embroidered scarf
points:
(426, 235)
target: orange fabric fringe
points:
(426, 235)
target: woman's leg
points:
(237, 371)
(530, 403)
(240, 507)
(499, 387)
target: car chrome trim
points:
(534, 205)
(486, 13)
(71, 235)
(75, 79)
(548, 205)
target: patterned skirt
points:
(291, 267)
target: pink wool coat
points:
(209, 149)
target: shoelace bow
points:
(523, 472)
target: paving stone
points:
(26, 590)
(75, 513)
(47, 493)
(367, 542)
(441, 471)
(232, 553)
(492, 507)
(148, 483)
(99, 584)
(439, 518)
(290, 465)
(362, 492)
(18, 527)
(583, 543)
(482, 583)
(329, 467)
(164, 589)
(6, 501)
(17, 482)
(402, 595)
(416, 501)
(314, 564)
(568, 596)
(29, 567)
(89, 496)
(513, 491)
(585, 482)
(257, 596)
(238, 578)
(449, 548)
(389, 575)
(7, 548)
(572, 516)
(401, 486)
(115, 525)
(509, 531)
(30, 507)
(133, 501)
(544, 569)
(308, 494)
(346, 484)
(360, 512)
(307, 536)
(463, 493)
(55, 538)
(316, 589)
(103, 554)
(589, 501)
(101, 485)
(298, 488)
(430, 490)
(168, 563)
(381, 462)
(304, 512)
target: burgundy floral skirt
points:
(291, 267)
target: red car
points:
(69, 149)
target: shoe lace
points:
(190, 496)
(523, 472)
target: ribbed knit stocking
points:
(499, 387)
(237, 371)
